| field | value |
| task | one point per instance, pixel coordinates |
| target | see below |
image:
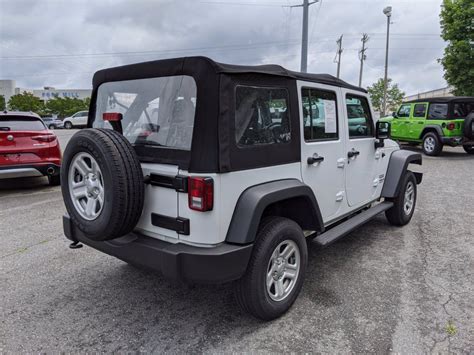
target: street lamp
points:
(387, 12)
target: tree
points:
(66, 106)
(394, 95)
(3, 105)
(457, 29)
(26, 102)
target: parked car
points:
(78, 120)
(187, 171)
(28, 148)
(435, 122)
(52, 123)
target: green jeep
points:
(435, 122)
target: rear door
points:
(158, 120)
(362, 179)
(322, 148)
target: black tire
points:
(251, 291)
(469, 149)
(122, 179)
(398, 215)
(468, 126)
(437, 145)
(54, 180)
(51, 126)
(68, 125)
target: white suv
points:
(210, 172)
(78, 120)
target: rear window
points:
(156, 111)
(21, 123)
(463, 109)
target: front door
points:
(401, 123)
(418, 120)
(322, 148)
(362, 179)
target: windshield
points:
(156, 111)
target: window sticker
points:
(330, 124)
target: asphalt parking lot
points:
(381, 289)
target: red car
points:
(28, 148)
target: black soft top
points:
(152, 69)
(213, 144)
(446, 99)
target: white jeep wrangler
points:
(210, 172)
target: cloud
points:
(68, 41)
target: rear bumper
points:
(455, 141)
(223, 263)
(18, 171)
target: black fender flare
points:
(254, 200)
(397, 166)
(434, 127)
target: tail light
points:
(200, 193)
(44, 138)
(451, 126)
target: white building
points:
(444, 92)
(8, 89)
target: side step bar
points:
(348, 226)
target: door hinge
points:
(341, 162)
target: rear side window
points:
(404, 111)
(359, 117)
(21, 123)
(419, 110)
(261, 116)
(319, 114)
(463, 109)
(156, 111)
(438, 111)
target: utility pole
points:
(304, 41)
(337, 58)
(387, 12)
(362, 56)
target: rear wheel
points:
(51, 126)
(276, 270)
(469, 149)
(432, 144)
(404, 204)
(68, 125)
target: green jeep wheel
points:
(469, 149)
(431, 144)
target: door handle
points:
(352, 153)
(315, 159)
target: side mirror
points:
(394, 114)
(382, 132)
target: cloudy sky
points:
(61, 43)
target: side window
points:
(404, 111)
(261, 116)
(438, 111)
(359, 117)
(319, 114)
(419, 110)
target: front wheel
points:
(68, 125)
(404, 204)
(431, 144)
(51, 126)
(276, 269)
(469, 149)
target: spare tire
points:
(102, 184)
(468, 129)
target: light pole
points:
(387, 12)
